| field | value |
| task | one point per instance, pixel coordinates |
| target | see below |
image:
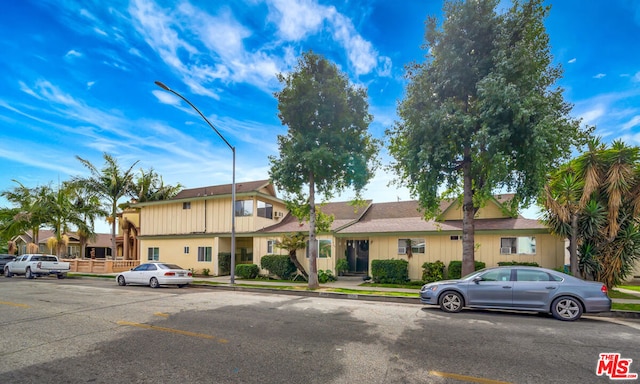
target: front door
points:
(358, 256)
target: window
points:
(454, 237)
(270, 246)
(497, 275)
(411, 246)
(265, 210)
(244, 208)
(153, 253)
(324, 248)
(244, 250)
(531, 275)
(186, 205)
(518, 245)
(204, 254)
(186, 249)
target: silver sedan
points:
(155, 275)
(519, 288)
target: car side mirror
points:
(477, 279)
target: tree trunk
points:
(313, 245)
(113, 232)
(294, 260)
(468, 220)
(573, 245)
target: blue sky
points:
(77, 78)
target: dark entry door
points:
(358, 256)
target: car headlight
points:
(429, 287)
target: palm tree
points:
(30, 211)
(149, 186)
(111, 183)
(596, 199)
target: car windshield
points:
(473, 274)
(169, 266)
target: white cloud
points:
(599, 76)
(636, 77)
(592, 115)
(72, 53)
(296, 19)
(166, 98)
(634, 122)
(90, 84)
(572, 61)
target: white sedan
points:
(156, 274)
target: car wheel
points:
(182, 285)
(153, 283)
(7, 273)
(121, 281)
(566, 308)
(28, 274)
(451, 302)
(61, 275)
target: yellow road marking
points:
(469, 379)
(172, 330)
(161, 314)
(15, 304)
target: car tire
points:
(121, 281)
(451, 302)
(153, 283)
(182, 285)
(7, 272)
(28, 274)
(566, 308)
(61, 275)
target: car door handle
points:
(506, 286)
(550, 287)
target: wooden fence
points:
(101, 265)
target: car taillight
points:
(169, 273)
(604, 289)
(189, 274)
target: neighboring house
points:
(100, 246)
(193, 229)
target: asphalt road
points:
(93, 331)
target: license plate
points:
(180, 274)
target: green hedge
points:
(279, 265)
(432, 271)
(454, 271)
(247, 271)
(525, 263)
(390, 271)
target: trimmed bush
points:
(432, 271)
(390, 271)
(279, 265)
(454, 271)
(247, 271)
(524, 263)
(325, 276)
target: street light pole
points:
(233, 179)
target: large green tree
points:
(111, 183)
(327, 148)
(149, 186)
(482, 114)
(29, 211)
(594, 200)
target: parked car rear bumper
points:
(596, 304)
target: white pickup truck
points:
(32, 265)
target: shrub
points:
(247, 271)
(432, 271)
(525, 263)
(390, 271)
(206, 271)
(342, 266)
(454, 271)
(279, 265)
(324, 276)
(224, 263)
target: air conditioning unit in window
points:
(278, 215)
(505, 250)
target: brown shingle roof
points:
(344, 214)
(216, 190)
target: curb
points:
(376, 298)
